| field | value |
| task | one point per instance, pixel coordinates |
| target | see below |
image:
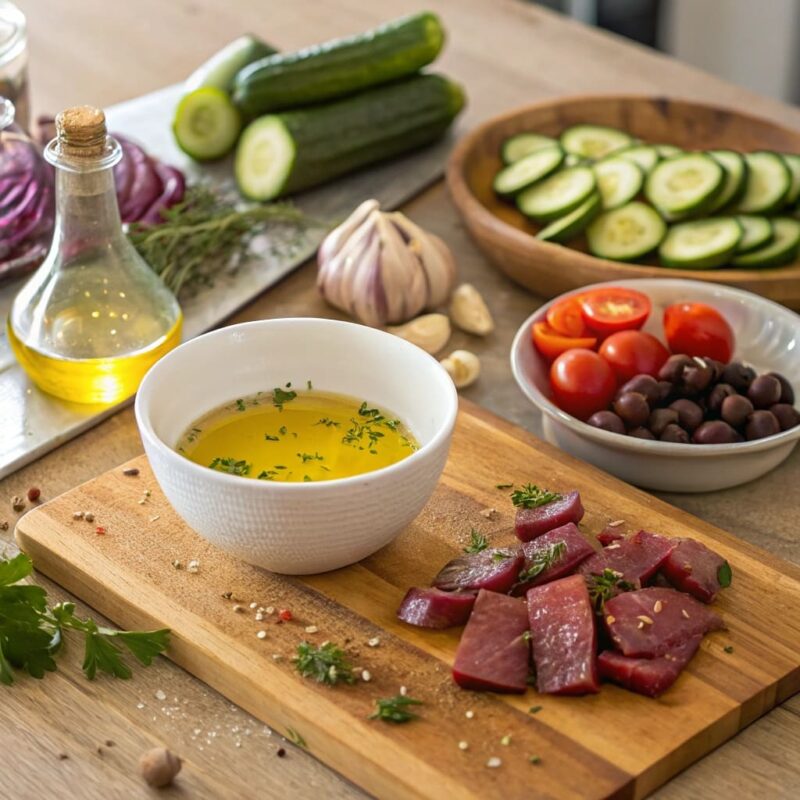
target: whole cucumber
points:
(339, 67)
(221, 69)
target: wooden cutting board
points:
(615, 744)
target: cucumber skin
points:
(220, 69)
(340, 137)
(339, 67)
(749, 260)
(578, 226)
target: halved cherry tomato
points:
(632, 353)
(551, 344)
(698, 330)
(565, 317)
(614, 309)
(582, 382)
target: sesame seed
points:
(403, 691)
(155, 518)
(469, 714)
(462, 745)
(610, 619)
(506, 740)
(616, 523)
(262, 634)
(640, 625)
(366, 676)
(253, 605)
(177, 563)
(494, 762)
(270, 609)
(613, 547)
(685, 613)
(644, 618)
(374, 642)
(657, 607)
(259, 616)
(311, 628)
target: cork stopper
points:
(81, 131)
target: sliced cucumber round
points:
(793, 162)
(781, 250)
(594, 141)
(735, 178)
(684, 184)
(571, 160)
(528, 170)
(668, 150)
(523, 144)
(626, 233)
(645, 155)
(700, 244)
(619, 181)
(558, 194)
(569, 226)
(264, 158)
(756, 232)
(769, 182)
(206, 124)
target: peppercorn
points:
(34, 493)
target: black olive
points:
(717, 395)
(787, 415)
(736, 409)
(765, 391)
(660, 418)
(690, 415)
(761, 424)
(607, 421)
(641, 433)
(715, 432)
(643, 384)
(787, 392)
(696, 376)
(673, 368)
(716, 366)
(632, 408)
(738, 375)
(665, 389)
(674, 433)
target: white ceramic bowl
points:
(297, 528)
(767, 337)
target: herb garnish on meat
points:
(544, 559)
(604, 586)
(531, 496)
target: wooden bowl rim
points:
(472, 209)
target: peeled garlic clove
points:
(431, 332)
(469, 312)
(463, 367)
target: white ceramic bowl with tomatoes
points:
(766, 337)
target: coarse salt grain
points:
(253, 605)
(403, 691)
(270, 609)
(259, 616)
(311, 628)
(366, 676)
(493, 762)
(469, 714)
(462, 745)
(374, 642)
(262, 634)
(193, 565)
(160, 694)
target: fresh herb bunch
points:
(395, 709)
(531, 496)
(31, 632)
(326, 663)
(477, 542)
(544, 559)
(606, 585)
(205, 234)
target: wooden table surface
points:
(506, 53)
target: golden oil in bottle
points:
(94, 317)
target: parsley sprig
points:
(395, 709)
(543, 559)
(32, 633)
(531, 496)
(326, 663)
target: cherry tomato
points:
(614, 309)
(632, 353)
(698, 330)
(565, 317)
(582, 382)
(550, 343)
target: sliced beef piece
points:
(692, 567)
(648, 676)
(649, 623)
(433, 608)
(563, 637)
(563, 548)
(533, 522)
(493, 654)
(495, 569)
(636, 558)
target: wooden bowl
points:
(507, 237)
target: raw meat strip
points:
(433, 608)
(563, 637)
(496, 569)
(692, 567)
(636, 559)
(652, 622)
(493, 653)
(533, 522)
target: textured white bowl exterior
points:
(297, 528)
(767, 337)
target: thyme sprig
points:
(477, 542)
(395, 709)
(543, 559)
(531, 496)
(606, 585)
(325, 664)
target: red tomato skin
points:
(552, 344)
(596, 305)
(698, 329)
(582, 382)
(566, 318)
(631, 353)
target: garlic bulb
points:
(382, 268)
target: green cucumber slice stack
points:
(645, 155)
(701, 243)
(558, 194)
(528, 170)
(735, 178)
(769, 182)
(523, 144)
(783, 248)
(756, 232)
(570, 225)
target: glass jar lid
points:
(12, 31)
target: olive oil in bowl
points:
(295, 436)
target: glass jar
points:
(14, 61)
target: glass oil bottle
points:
(94, 317)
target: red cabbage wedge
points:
(432, 608)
